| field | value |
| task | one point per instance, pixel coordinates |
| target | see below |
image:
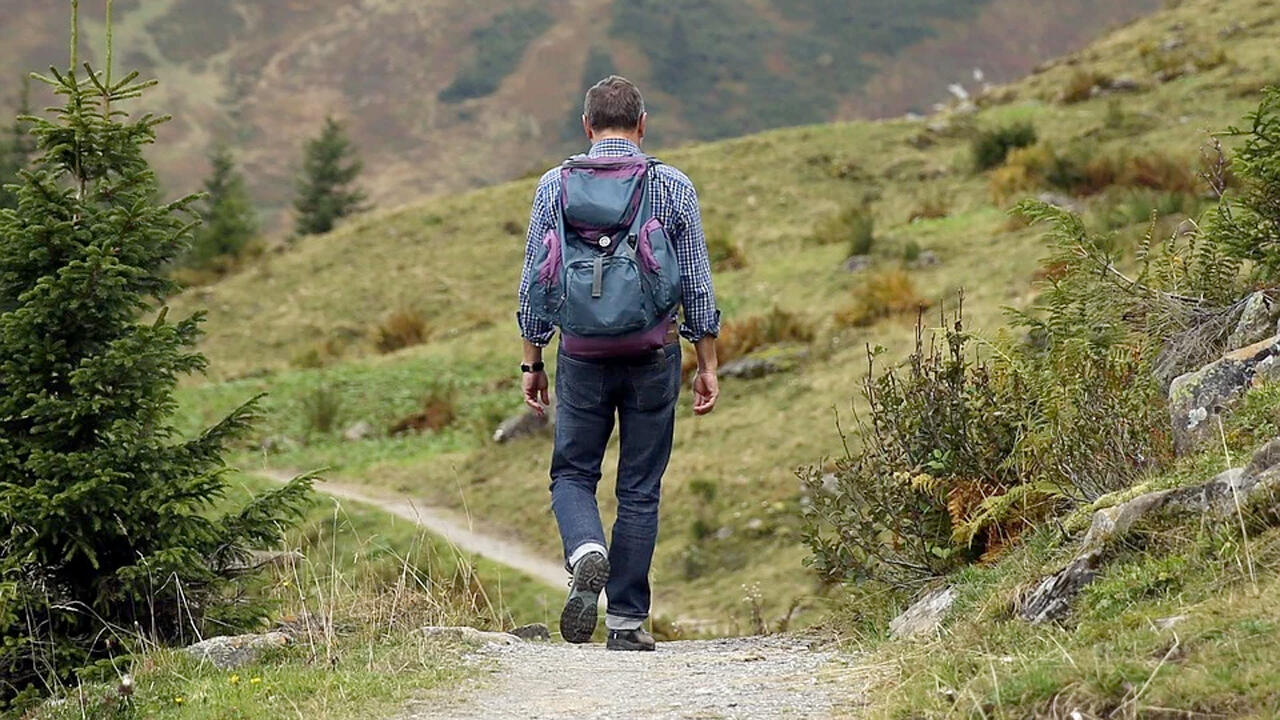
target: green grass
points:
(457, 259)
(1115, 654)
(369, 580)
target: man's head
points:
(614, 108)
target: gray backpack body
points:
(607, 273)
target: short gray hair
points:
(614, 103)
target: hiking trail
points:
(730, 678)
(452, 527)
(780, 676)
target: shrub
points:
(439, 410)
(853, 225)
(741, 337)
(882, 294)
(991, 147)
(933, 205)
(322, 410)
(1080, 86)
(403, 328)
(725, 254)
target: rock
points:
(1051, 599)
(1197, 398)
(926, 259)
(1257, 321)
(925, 616)
(273, 444)
(857, 263)
(1059, 200)
(535, 631)
(748, 368)
(1266, 458)
(357, 432)
(229, 652)
(1121, 85)
(525, 424)
(470, 635)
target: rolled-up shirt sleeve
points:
(534, 329)
(701, 316)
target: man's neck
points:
(633, 139)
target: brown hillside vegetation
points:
(446, 94)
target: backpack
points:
(607, 273)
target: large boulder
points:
(233, 651)
(1257, 321)
(1051, 598)
(925, 616)
(1196, 399)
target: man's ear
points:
(644, 122)
(586, 127)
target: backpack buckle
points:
(605, 241)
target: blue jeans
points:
(641, 392)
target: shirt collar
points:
(614, 147)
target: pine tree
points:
(16, 147)
(227, 213)
(326, 190)
(107, 524)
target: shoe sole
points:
(579, 617)
(629, 647)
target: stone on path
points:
(535, 631)
(470, 635)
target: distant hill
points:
(447, 94)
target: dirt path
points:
(454, 528)
(769, 677)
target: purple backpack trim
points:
(550, 270)
(644, 248)
(655, 338)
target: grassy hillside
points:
(448, 94)
(303, 325)
(365, 582)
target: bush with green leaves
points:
(110, 523)
(991, 147)
(960, 454)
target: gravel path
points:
(770, 677)
(453, 527)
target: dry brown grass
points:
(439, 410)
(742, 337)
(883, 294)
(403, 328)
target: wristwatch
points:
(534, 368)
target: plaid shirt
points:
(675, 204)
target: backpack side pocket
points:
(545, 292)
(658, 256)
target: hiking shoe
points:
(578, 619)
(636, 639)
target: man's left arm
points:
(701, 317)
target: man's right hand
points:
(536, 391)
(706, 391)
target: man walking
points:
(615, 245)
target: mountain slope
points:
(446, 94)
(300, 325)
